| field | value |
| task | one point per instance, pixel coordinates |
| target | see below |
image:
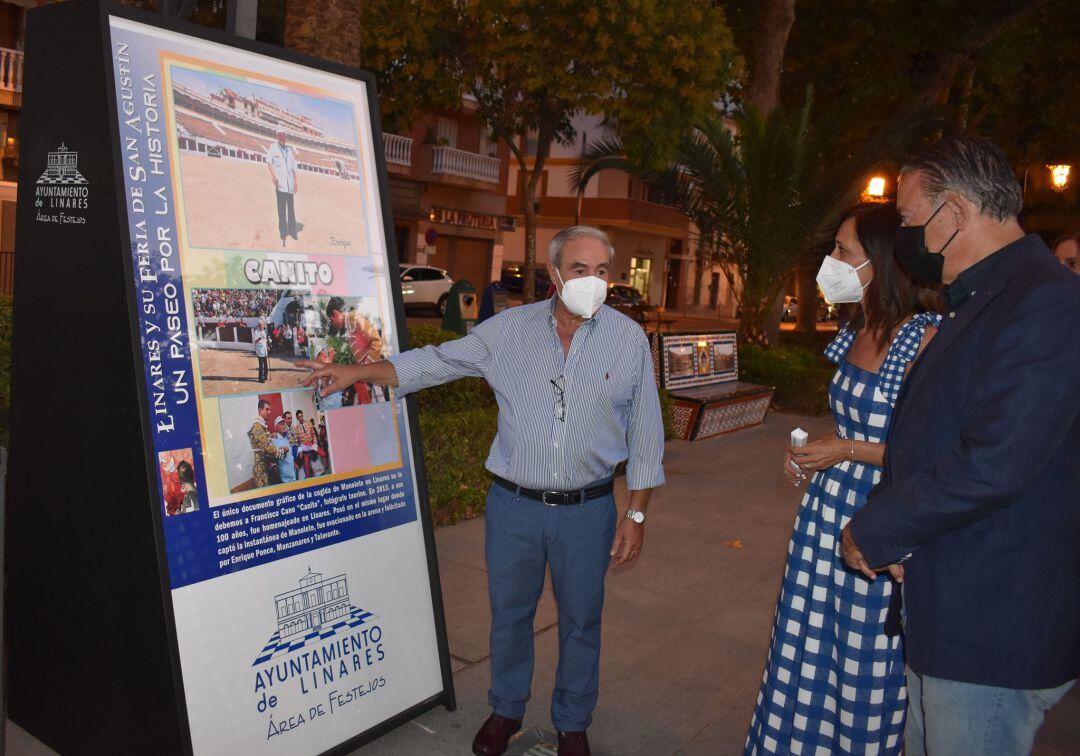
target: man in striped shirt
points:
(577, 395)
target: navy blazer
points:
(982, 483)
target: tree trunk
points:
(806, 288)
(775, 18)
(760, 324)
(760, 309)
(762, 304)
(528, 208)
(966, 85)
(530, 179)
(772, 320)
(943, 71)
(328, 29)
(699, 273)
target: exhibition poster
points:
(292, 534)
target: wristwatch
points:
(636, 516)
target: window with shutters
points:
(446, 132)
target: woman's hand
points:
(822, 453)
(793, 474)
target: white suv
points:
(424, 285)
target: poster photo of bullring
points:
(250, 339)
(264, 168)
(283, 260)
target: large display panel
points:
(208, 556)
(291, 522)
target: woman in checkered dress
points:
(834, 680)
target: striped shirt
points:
(610, 405)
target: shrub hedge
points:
(800, 374)
(457, 424)
(456, 444)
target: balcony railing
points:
(11, 69)
(398, 149)
(465, 164)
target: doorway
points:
(401, 242)
(674, 284)
(464, 259)
(640, 274)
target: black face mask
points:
(914, 257)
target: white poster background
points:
(223, 625)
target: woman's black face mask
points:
(914, 257)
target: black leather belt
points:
(557, 498)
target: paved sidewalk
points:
(686, 626)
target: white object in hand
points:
(799, 437)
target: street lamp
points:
(874, 191)
(1059, 176)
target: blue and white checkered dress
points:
(834, 682)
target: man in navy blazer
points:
(981, 496)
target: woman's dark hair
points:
(1069, 234)
(892, 295)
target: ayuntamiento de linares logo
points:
(323, 644)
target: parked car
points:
(423, 285)
(825, 311)
(513, 276)
(622, 294)
(791, 309)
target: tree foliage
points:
(329, 29)
(1004, 69)
(1024, 89)
(652, 67)
(764, 190)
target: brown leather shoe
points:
(574, 744)
(493, 738)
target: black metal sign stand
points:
(93, 658)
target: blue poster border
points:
(106, 9)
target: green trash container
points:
(462, 308)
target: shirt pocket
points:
(620, 389)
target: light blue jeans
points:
(946, 717)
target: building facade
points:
(12, 34)
(317, 602)
(655, 244)
(454, 189)
(447, 181)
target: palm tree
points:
(763, 192)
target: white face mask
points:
(582, 296)
(839, 281)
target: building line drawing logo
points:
(317, 610)
(62, 168)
